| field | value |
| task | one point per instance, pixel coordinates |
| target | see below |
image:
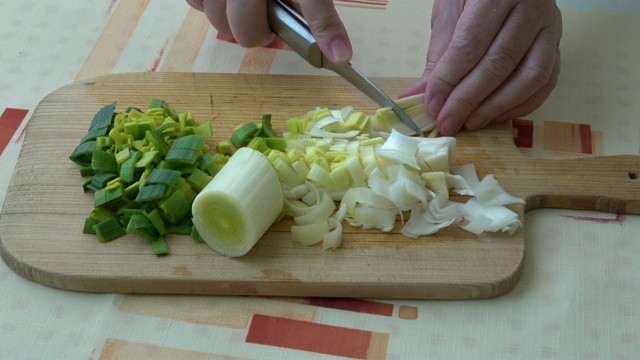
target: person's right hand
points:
(246, 22)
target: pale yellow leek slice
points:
(310, 234)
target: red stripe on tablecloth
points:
(112, 4)
(355, 305)
(156, 62)
(366, 2)
(308, 336)
(524, 136)
(586, 145)
(618, 220)
(10, 121)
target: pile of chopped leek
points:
(153, 173)
(145, 169)
(377, 174)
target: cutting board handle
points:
(607, 184)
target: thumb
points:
(328, 29)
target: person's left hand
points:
(489, 61)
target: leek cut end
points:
(222, 224)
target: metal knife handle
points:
(293, 30)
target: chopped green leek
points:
(156, 220)
(101, 179)
(243, 134)
(199, 179)
(108, 230)
(88, 171)
(224, 147)
(145, 169)
(276, 143)
(127, 168)
(151, 192)
(185, 150)
(122, 156)
(164, 176)
(108, 198)
(267, 129)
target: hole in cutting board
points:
(633, 175)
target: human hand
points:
(246, 22)
(489, 61)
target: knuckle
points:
(464, 103)
(431, 64)
(464, 50)
(537, 76)
(499, 64)
(326, 26)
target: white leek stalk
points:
(239, 205)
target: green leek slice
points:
(164, 176)
(108, 230)
(185, 150)
(243, 134)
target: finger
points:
(216, 11)
(535, 71)
(328, 29)
(537, 99)
(249, 23)
(443, 23)
(477, 27)
(510, 46)
(417, 87)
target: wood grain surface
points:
(43, 214)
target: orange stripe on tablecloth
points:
(188, 42)
(229, 312)
(318, 338)
(258, 61)
(121, 349)
(10, 121)
(354, 305)
(568, 137)
(113, 39)
(408, 312)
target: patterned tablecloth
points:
(578, 297)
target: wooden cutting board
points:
(44, 211)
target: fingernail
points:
(474, 123)
(435, 105)
(340, 51)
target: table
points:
(578, 297)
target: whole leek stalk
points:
(239, 205)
